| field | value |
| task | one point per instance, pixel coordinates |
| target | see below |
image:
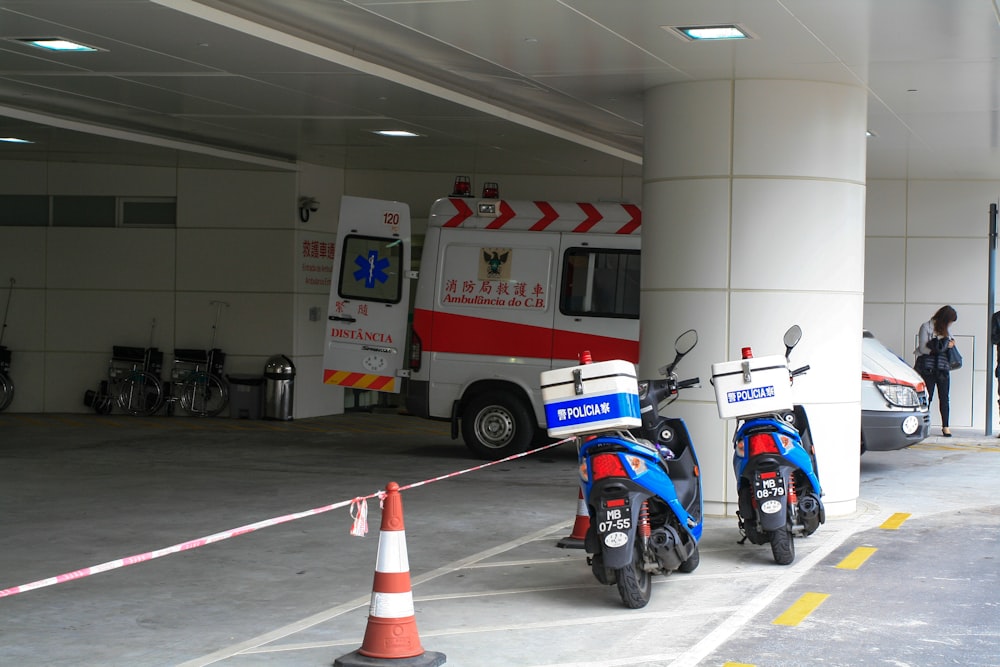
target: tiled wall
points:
(927, 246)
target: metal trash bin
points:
(279, 387)
(245, 396)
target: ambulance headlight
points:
(899, 395)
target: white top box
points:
(752, 386)
(590, 398)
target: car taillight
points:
(762, 443)
(607, 465)
(416, 349)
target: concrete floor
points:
(490, 587)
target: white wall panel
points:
(759, 320)
(885, 208)
(797, 128)
(237, 260)
(95, 320)
(64, 380)
(66, 178)
(31, 374)
(676, 147)
(782, 226)
(114, 259)
(312, 397)
(946, 271)
(22, 257)
(689, 212)
(23, 178)
(234, 199)
(253, 324)
(885, 269)
(950, 208)
(886, 322)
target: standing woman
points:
(933, 342)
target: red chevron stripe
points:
(593, 217)
(463, 212)
(636, 220)
(506, 213)
(549, 215)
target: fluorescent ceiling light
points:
(15, 140)
(699, 33)
(56, 44)
(396, 133)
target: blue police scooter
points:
(777, 477)
(642, 488)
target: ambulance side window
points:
(600, 283)
(371, 269)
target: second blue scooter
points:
(773, 456)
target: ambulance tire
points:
(497, 425)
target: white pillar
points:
(753, 220)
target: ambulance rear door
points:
(367, 316)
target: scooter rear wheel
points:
(783, 545)
(634, 583)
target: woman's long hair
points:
(942, 319)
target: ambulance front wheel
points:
(495, 426)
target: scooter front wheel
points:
(783, 545)
(634, 583)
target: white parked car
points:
(894, 401)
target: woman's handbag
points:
(954, 358)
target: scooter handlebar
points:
(687, 384)
(800, 371)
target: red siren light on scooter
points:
(747, 353)
(585, 357)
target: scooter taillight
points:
(762, 443)
(607, 465)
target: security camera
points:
(307, 205)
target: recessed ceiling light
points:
(55, 44)
(396, 133)
(15, 140)
(704, 33)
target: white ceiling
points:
(492, 86)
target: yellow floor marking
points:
(958, 447)
(804, 606)
(856, 558)
(737, 664)
(895, 521)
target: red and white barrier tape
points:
(359, 514)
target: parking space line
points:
(802, 607)
(737, 664)
(895, 521)
(856, 558)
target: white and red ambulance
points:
(506, 289)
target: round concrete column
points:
(753, 220)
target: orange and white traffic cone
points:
(391, 636)
(580, 527)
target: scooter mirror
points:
(792, 338)
(686, 342)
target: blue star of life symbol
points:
(371, 268)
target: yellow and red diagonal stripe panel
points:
(360, 380)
